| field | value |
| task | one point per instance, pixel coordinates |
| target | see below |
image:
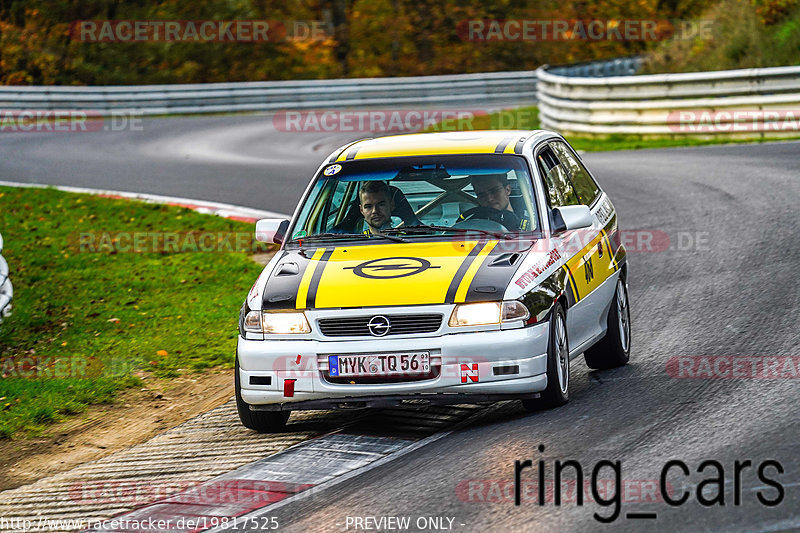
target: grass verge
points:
(94, 309)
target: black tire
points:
(557, 391)
(614, 349)
(261, 421)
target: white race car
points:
(435, 268)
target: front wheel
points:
(261, 421)
(557, 391)
(614, 349)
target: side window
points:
(585, 187)
(559, 188)
(332, 207)
(338, 194)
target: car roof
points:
(440, 143)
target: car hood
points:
(392, 274)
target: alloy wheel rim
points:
(623, 315)
(562, 353)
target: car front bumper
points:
(291, 374)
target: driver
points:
(492, 192)
(376, 205)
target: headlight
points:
(276, 322)
(287, 322)
(485, 313)
(475, 314)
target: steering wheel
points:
(507, 218)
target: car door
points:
(590, 258)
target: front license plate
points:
(392, 364)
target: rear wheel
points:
(261, 421)
(614, 349)
(557, 391)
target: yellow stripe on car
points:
(461, 293)
(571, 283)
(610, 250)
(302, 291)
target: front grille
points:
(399, 325)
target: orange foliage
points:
(373, 38)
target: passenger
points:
(376, 205)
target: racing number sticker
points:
(588, 271)
(591, 266)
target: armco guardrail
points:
(463, 89)
(621, 66)
(6, 290)
(747, 102)
(602, 97)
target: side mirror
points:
(572, 217)
(271, 230)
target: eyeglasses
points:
(494, 191)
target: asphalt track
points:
(733, 294)
(239, 160)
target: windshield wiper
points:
(429, 229)
(345, 236)
(323, 236)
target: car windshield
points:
(410, 197)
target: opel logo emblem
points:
(379, 326)
(391, 267)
